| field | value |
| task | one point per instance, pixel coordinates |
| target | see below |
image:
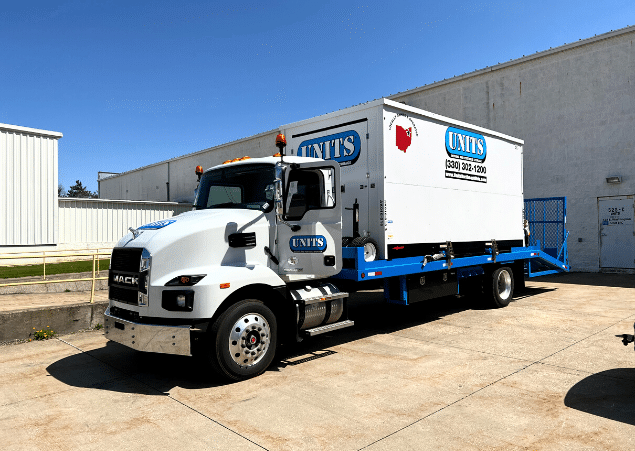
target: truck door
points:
(344, 141)
(312, 202)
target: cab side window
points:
(309, 189)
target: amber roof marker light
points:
(199, 172)
(281, 143)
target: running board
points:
(328, 328)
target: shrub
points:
(44, 334)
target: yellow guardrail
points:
(55, 254)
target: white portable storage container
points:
(420, 179)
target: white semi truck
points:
(431, 205)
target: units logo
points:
(404, 127)
(343, 147)
(307, 243)
(465, 145)
(157, 224)
(467, 152)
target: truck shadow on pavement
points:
(609, 394)
(613, 280)
(117, 368)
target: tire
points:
(244, 340)
(370, 247)
(500, 288)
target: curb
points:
(19, 324)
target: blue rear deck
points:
(380, 269)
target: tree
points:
(60, 191)
(79, 190)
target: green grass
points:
(52, 268)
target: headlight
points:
(185, 281)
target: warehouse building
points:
(574, 106)
(33, 220)
(28, 186)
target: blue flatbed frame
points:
(380, 269)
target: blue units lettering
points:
(342, 147)
(465, 145)
(157, 224)
(308, 243)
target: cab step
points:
(329, 328)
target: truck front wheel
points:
(244, 340)
(501, 284)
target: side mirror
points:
(279, 199)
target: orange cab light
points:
(199, 170)
(281, 141)
(277, 155)
(224, 285)
(237, 159)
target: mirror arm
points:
(294, 227)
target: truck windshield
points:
(244, 186)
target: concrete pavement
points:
(544, 373)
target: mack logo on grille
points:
(126, 280)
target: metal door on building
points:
(617, 232)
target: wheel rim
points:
(370, 252)
(504, 283)
(249, 340)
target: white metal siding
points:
(105, 221)
(149, 182)
(28, 186)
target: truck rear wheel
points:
(244, 340)
(501, 284)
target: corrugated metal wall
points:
(105, 221)
(28, 186)
(149, 183)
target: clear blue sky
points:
(133, 83)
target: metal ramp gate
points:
(547, 219)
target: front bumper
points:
(147, 337)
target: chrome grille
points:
(124, 261)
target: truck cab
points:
(238, 273)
